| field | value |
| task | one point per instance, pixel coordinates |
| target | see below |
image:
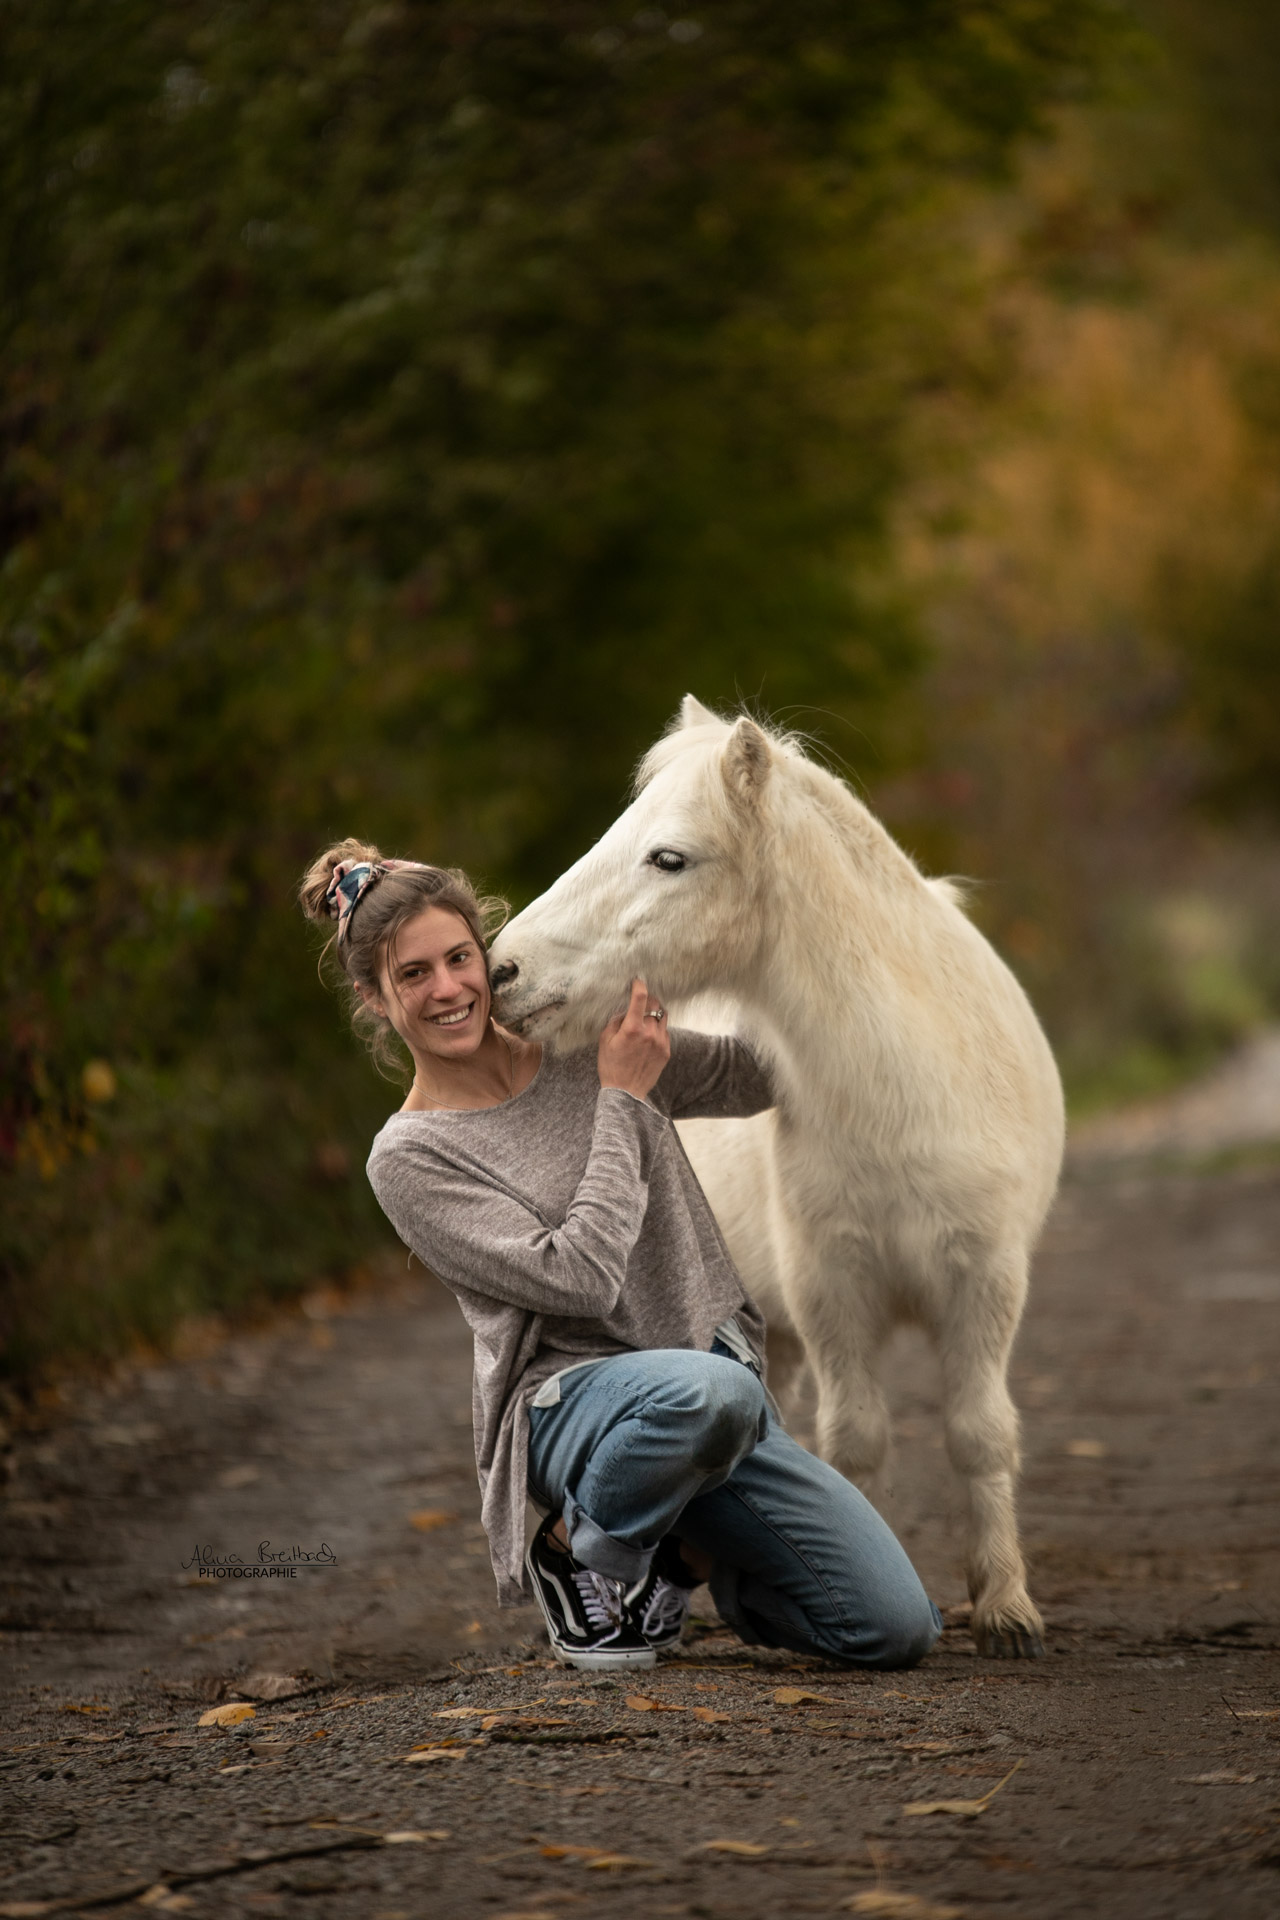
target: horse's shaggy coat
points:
(917, 1139)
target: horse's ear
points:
(747, 760)
(694, 714)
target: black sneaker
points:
(588, 1623)
(658, 1605)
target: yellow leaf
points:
(229, 1716)
(87, 1706)
(709, 1714)
(641, 1703)
(796, 1696)
(612, 1861)
(917, 1808)
(97, 1081)
(747, 1848)
(428, 1518)
(567, 1852)
(886, 1905)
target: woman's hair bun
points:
(318, 877)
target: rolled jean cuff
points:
(592, 1547)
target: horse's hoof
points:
(1009, 1643)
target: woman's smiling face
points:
(435, 986)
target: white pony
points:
(916, 1144)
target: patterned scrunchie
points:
(352, 880)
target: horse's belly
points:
(737, 1170)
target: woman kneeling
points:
(618, 1358)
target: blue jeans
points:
(673, 1441)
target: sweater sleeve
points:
(492, 1240)
(712, 1076)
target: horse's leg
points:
(840, 1314)
(974, 1342)
(788, 1365)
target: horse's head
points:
(670, 892)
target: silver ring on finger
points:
(656, 1013)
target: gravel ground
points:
(412, 1752)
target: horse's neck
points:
(849, 924)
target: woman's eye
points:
(667, 860)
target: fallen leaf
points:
(29, 1909)
(748, 1849)
(228, 1716)
(796, 1696)
(1220, 1779)
(567, 1852)
(1087, 1449)
(916, 1809)
(641, 1703)
(87, 1706)
(408, 1838)
(435, 1753)
(610, 1862)
(1258, 1713)
(709, 1714)
(881, 1901)
(457, 1713)
(967, 1808)
(428, 1518)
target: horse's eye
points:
(667, 859)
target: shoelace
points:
(601, 1597)
(667, 1607)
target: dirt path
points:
(1147, 1745)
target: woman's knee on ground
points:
(896, 1634)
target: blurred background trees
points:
(404, 405)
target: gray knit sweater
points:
(570, 1226)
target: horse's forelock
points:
(672, 745)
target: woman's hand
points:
(634, 1047)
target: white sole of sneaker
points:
(602, 1661)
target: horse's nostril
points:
(503, 976)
